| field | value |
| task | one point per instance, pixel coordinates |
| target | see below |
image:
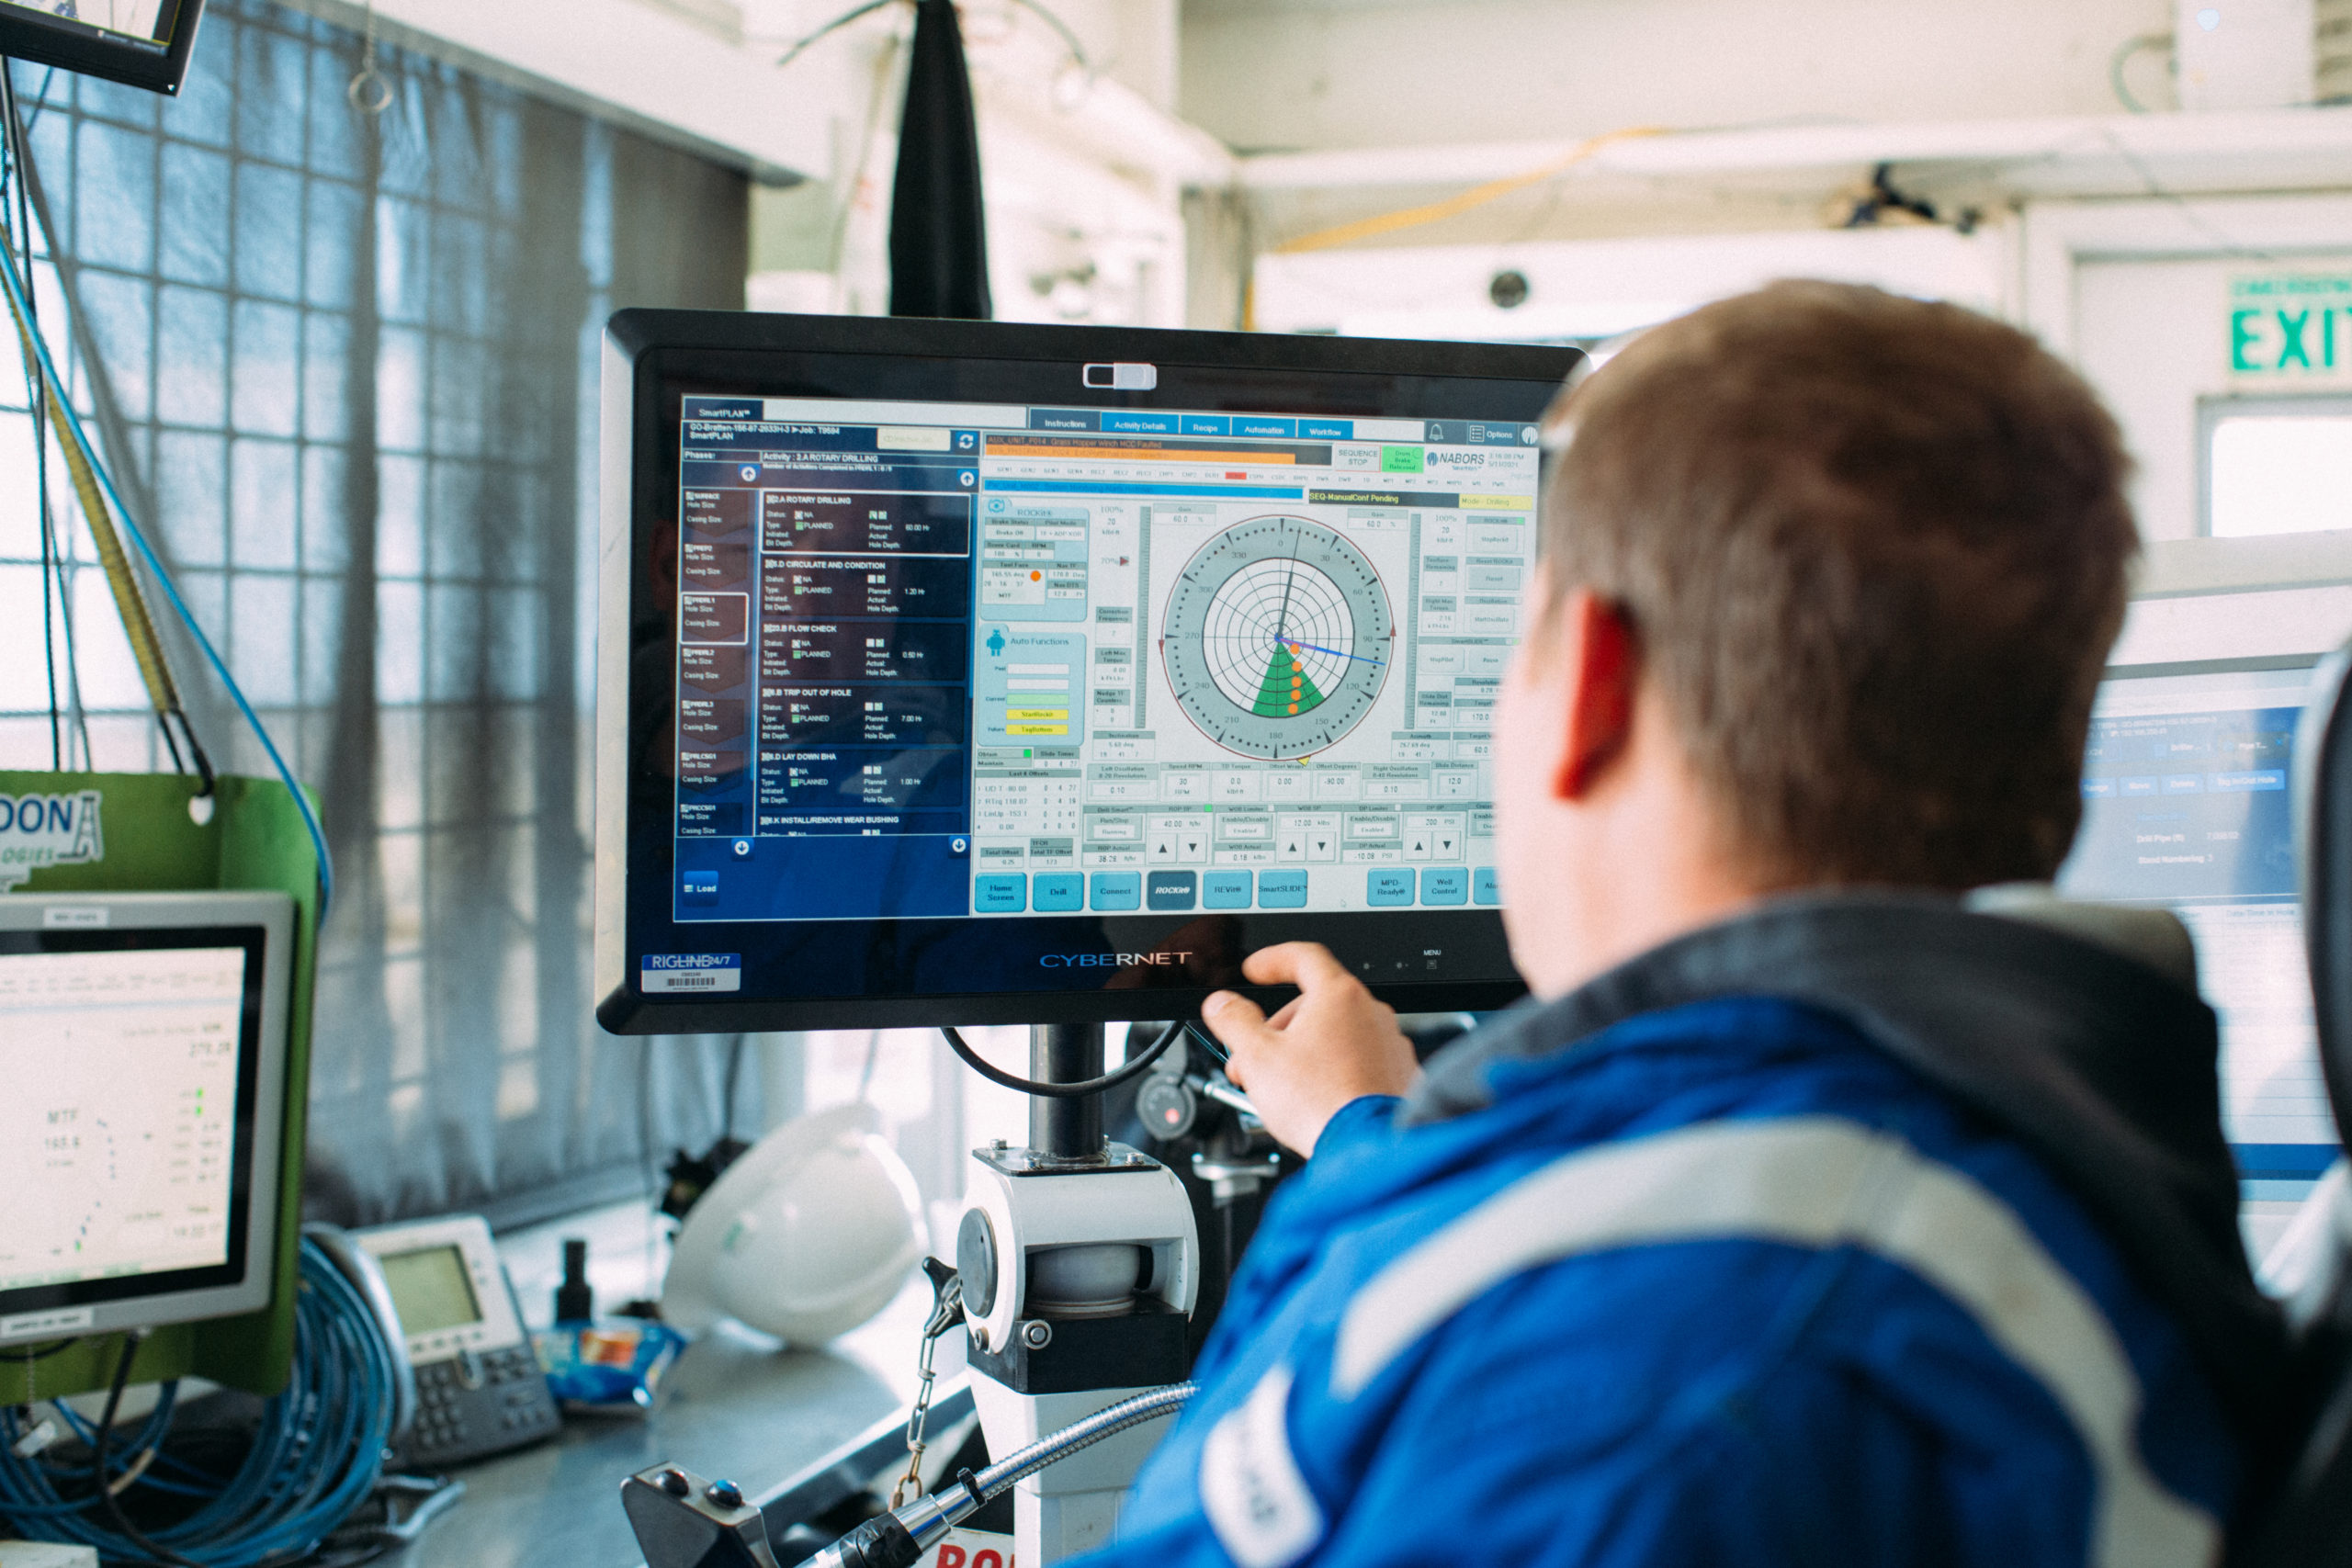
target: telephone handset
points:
(479, 1386)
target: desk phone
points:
(478, 1387)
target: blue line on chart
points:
(1334, 652)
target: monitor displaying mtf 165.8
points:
(143, 1039)
(955, 672)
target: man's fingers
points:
(1305, 964)
(1236, 1021)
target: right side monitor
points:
(2185, 804)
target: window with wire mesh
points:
(345, 365)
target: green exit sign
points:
(2291, 327)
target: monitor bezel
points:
(652, 357)
(76, 46)
(263, 924)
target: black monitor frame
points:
(1418, 959)
(44, 39)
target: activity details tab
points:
(920, 587)
(848, 522)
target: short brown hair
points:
(1874, 552)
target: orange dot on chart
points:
(1293, 708)
(1035, 576)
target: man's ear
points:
(1604, 671)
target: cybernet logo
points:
(38, 830)
(1113, 960)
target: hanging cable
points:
(82, 459)
(110, 1494)
(2122, 57)
(14, 143)
(11, 184)
(1134, 1068)
(137, 624)
(801, 45)
(1069, 39)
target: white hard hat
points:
(806, 1236)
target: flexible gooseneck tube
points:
(900, 1536)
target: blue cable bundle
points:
(317, 1456)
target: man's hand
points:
(1329, 1045)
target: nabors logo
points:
(1113, 960)
(38, 831)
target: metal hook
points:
(368, 91)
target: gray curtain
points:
(347, 365)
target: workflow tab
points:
(1226, 890)
(923, 587)
(1171, 890)
(803, 652)
(1115, 890)
(848, 522)
(1061, 893)
(891, 715)
(709, 722)
(713, 563)
(1388, 889)
(714, 618)
(1485, 888)
(1445, 885)
(1000, 893)
(1281, 890)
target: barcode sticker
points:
(672, 972)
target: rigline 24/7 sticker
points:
(690, 972)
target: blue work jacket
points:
(1739, 1278)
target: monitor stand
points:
(1080, 1264)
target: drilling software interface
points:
(991, 660)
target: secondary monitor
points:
(142, 1038)
(2186, 805)
(144, 44)
(954, 673)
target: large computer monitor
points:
(142, 1042)
(952, 673)
(2186, 805)
(144, 44)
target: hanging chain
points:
(947, 1310)
(369, 92)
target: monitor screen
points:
(132, 1137)
(999, 693)
(142, 42)
(431, 1289)
(2185, 804)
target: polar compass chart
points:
(1278, 637)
